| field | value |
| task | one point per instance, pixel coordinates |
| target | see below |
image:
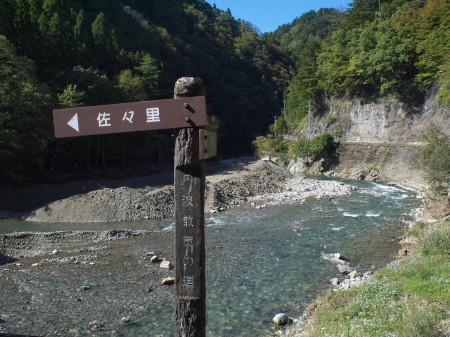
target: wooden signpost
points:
(189, 171)
(186, 111)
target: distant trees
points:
(429, 27)
(70, 53)
(369, 61)
(25, 126)
(66, 53)
(303, 89)
(377, 49)
(393, 48)
(303, 38)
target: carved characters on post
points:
(189, 169)
(188, 235)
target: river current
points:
(260, 262)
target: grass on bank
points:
(408, 298)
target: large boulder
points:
(281, 319)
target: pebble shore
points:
(258, 181)
(44, 256)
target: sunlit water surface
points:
(261, 262)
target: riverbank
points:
(111, 271)
(245, 181)
(409, 297)
(228, 184)
(260, 261)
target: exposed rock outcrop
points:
(379, 141)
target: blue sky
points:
(267, 15)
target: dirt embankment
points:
(228, 184)
(392, 163)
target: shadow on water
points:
(13, 335)
(4, 259)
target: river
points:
(259, 262)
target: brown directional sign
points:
(130, 117)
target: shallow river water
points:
(260, 262)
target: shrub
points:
(270, 147)
(280, 126)
(300, 148)
(434, 159)
(437, 243)
(322, 146)
(265, 146)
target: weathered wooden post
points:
(189, 185)
(187, 111)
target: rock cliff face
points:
(382, 121)
(381, 140)
(388, 162)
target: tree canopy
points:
(67, 53)
(390, 49)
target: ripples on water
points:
(261, 262)
(268, 261)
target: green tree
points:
(369, 58)
(434, 159)
(7, 14)
(280, 127)
(83, 38)
(313, 24)
(265, 146)
(321, 146)
(98, 88)
(303, 91)
(362, 12)
(444, 81)
(333, 60)
(425, 23)
(24, 115)
(132, 87)
(71, 97)
(101, 31)
(385, 65)
(434, 39)
(105, 43)
(55, 25)
(247, 42)
(26, 35)
(150, 71)
(225, 28)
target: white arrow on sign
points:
(73, 123)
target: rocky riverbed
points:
(81, 283)
(102, 283)
(231, 183)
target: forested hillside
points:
(390, 49)
(68, 53)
